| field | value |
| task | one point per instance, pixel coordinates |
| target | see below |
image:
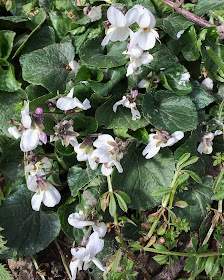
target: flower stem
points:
(25, 164)
(37, 267)
(63, 259)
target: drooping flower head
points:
(64, 131)
(44, 191)
(69, 102)
(85, 149)
(208, 83)
(161, 139)
(128, 101)
(109, 152)
(83, 256)
(205, 146)
(137, 58)
(30, 129)
(81, 220)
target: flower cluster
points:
(93, 244)
(36, 182)
(141, 40)
(30, 129)
(109, 152)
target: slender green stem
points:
(220, 115)
(170, 253)
(25, 164)
(165, 202)
(154, 225)
(220, 206)
(61, 161)
(37, 267)
(110, 189)
(63, 259)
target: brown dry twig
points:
(196, 19)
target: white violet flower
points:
(73, 65)
(84, 151)
(83, 256)
(69, 102)
(79, 220)
(161, 139)
(45, 191)
(206, 143)
(207, 83)
(119, 29)
(109, 152)
(137, 58)
(128, 101)
(184, 78)
(30, 129)
(146, 36)
(34, 164)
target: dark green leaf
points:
(28, 231)
(78, 178)
(175, 77)
(141, 177)
(61, 23)
(8, 81)
(204, 6)
(43, 37)
(175, 23)
(91, 54)
(36, 22)
(162, 111)
(200, 96)
(188, 43)
(84, 124)
(6, 43)
(115, 75)
(67, 151)
(11, 162)
(15, 19)
(7, 105)
(121, 119)
(197, 198)
(47, 66)
(73, 233)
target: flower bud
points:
(39, 111)
(86, 10)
